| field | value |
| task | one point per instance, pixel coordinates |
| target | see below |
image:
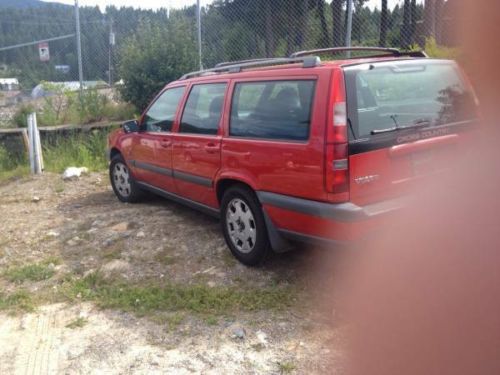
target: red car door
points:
(151, 153)
(196, 144)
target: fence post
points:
(198, 22)
(35, 149)
(79, 47)
(348, 34)
(31, 142)
(38, 144)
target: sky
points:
(155, 4)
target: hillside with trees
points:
(153, 47)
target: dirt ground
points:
(83, 226)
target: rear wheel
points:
(123, 183)
(243, 226)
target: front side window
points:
(203, 109)
(405, 94)
(161, 115)
(272, 110)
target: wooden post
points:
(26, 140)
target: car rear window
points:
(406, 93)
(272, 110)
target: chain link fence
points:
(230, 30)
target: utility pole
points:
(348, 34)
(79, 46)
(198, 21)
(112, 42)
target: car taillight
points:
(340, 123)
(337, 152)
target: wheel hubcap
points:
(121, 179)
(241, 225)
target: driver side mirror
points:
(131, 126)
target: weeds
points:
(17, 301)
(78, 149)
(86, 150)
(286, 367)
(63, 106)
(30, 272)
(200, 299)
(77, 323)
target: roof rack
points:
(383, 51)
(306, 61)
(227, 63)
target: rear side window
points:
(160, 116)
(272, 110)
(401, 94)
(203, 109)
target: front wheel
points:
(122, 181)
(244, 227)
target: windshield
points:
(404, 94)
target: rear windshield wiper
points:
(420, 123)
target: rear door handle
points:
(212, 148)
(165, 143)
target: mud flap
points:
(278, 243)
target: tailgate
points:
(408, 120)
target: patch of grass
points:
(17, 301)
(19, 171)
(30, 272)
(12, 165)
(211, 320)
(52, 260)
(172, 320)
(77, 323)
(286, 367)
(200, 299)
(78, 150)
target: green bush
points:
(155, 55)
(20, 118)
(90, 106)
(433, 49)
(119, 111)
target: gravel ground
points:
(83, 225)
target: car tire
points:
(244, 226)
(122, 181)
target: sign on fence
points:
(43, 49)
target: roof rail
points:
(307, 62)
(227, 63)
(382, 50)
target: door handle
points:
(212, 148)
(165, 143)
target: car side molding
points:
(344, 212)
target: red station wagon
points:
(296, 148)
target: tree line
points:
(154, 47)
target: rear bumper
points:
(315, 221)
